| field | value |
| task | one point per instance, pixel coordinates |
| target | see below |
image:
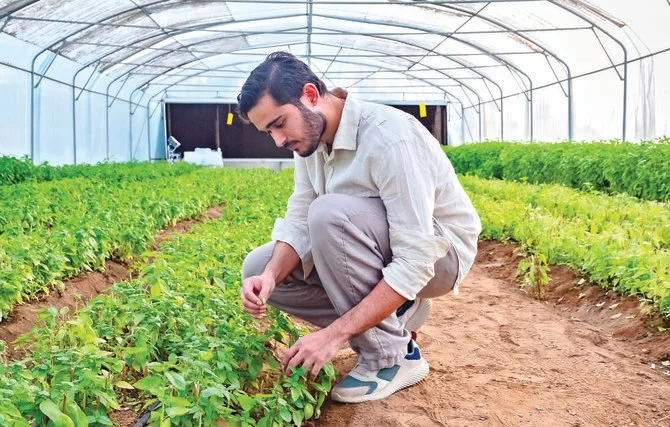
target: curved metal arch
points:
(382, 68)
(625, 60)
(384, 38)
(486, 52)
(416, 28)
(501, 109)
(324, 44)
(498, 23)
(200, 27)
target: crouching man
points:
(377, 225)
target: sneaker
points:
(413, 314)
(363, 384)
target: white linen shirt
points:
(382, 152)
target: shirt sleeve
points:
(292, 229)
(407, 180)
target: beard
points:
(314, 126)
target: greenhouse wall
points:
(54, 141)
(597, 107)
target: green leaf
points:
(178, 401)
(297, 417)
(296, 393)
(266, 421)
(176, 379)
(329, 370)
(219, 283)
(124, 385)
(308, 410)
(210, 391)
(285, 414)
(51, 410)
(149, 382)
(177, 411)
(246, 402)
(78, 416)
(102, 419)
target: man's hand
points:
(313, 351)
(255, 292)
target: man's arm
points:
(313, 351)
(284, 260)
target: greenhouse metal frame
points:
(505, 69)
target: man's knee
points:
(325, 211)
(256, 260)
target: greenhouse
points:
(538, 183)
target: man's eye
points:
(279, 126)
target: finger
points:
(250, 295)
(264, 294)
(251, 305)
(290, 353)
(316, 369)
(296, 361)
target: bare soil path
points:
(499, 357)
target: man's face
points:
(296, 127)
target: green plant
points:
(640, 170)
(534, 273)
(175, 338)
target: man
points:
(376, 226)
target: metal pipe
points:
(625, 60)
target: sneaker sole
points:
(413, 377)
(420, 316)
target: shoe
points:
(363, 384)
(413, 314)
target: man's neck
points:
(332, 109)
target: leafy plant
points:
(640, 170)
(175, 338)
(534, 273)
(618, 241)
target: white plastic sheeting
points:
(508, 69)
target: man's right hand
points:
(256, 291)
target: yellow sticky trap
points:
(230, 119)
(422, 110)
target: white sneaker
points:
(363, 384)
(413, 314)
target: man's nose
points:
(280, 140)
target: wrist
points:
(270, 276)
(339, 333)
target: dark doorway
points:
(206, 126)
(435, 120)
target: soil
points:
(501, 358)
(79, 290)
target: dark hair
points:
(283, 76)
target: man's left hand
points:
(313, 351)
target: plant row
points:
(175, 340)
(51, 231)
(15, 171)
(619, 242)
(639, 170)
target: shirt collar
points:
(347, 130)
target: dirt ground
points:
(501, 358)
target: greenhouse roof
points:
(467, 51)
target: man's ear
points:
(311, 93)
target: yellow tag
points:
(230, 119)
(422, 110)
